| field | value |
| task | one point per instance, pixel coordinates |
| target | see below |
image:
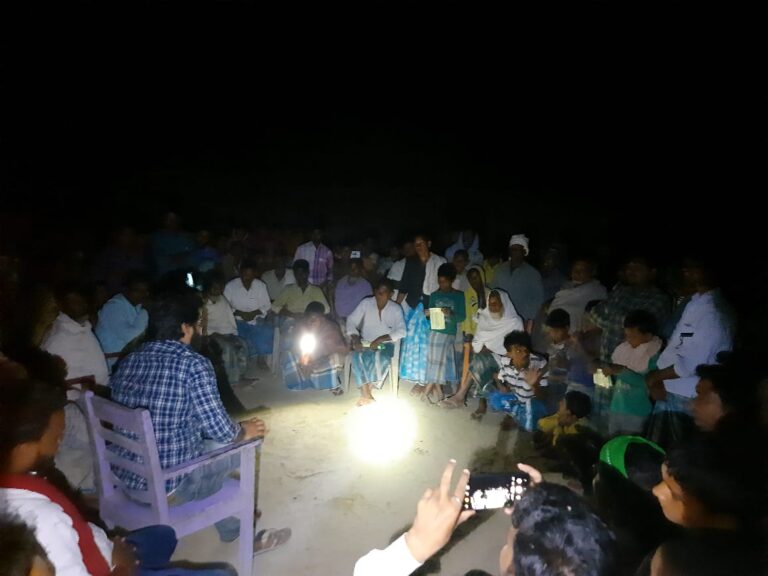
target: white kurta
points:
(255, 298)
(700, 334)
(366, 322)
(220, 317)
(77, 345)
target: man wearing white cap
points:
(520, 280)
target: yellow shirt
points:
(549, 425)
(296, 301)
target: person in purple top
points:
(350, 290)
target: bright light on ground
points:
(382, 432)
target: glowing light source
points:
(307, 344)
(383, 431)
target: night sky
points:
(594, 124)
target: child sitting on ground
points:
(520, 380)
(571, 418)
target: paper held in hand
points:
(436, 319)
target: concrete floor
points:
(340, 507)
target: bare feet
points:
(417, 390)
(454, 401)
(365, 401)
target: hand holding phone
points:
(491, 491)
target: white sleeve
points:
(263, 303)
(706, 339)
(355, 319)
(398, 330)
(55, 533)
(395, 560)
(229, 294)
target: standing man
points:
(520, 280)
(320, 259)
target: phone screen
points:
(490, 491)
(190, 280)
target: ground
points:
(340, 507)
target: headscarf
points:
(475, 256)
(491, 331)
(520, 240)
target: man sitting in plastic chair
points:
(178, 387)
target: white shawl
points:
(491, 331)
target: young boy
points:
(441, 358)
(631, 360)
(571, 417)
(520, 380)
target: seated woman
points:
(316, 359)
(519, 381)
(493, 322)
(374, 326)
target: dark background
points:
(605, 126)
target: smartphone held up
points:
(490, 491)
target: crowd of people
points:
(645, 392)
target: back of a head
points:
(26, 407)
(315, 308)
(169, 311)
(642, 320)
(18, 547)
(578, 403)
(558, 318)
(558, 535)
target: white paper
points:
(436, 319)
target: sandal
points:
(269, 539)
(337, 391)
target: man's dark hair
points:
(578, 403)
(642, 320)
(447, 270)
(461, 252)
(26, 407)
(724, 477)
(558, 534)
(382, 282)
(18, 546)
(168, 312)
(733, 393)
(210, 278)
(301, 265)
(134, 277)
(518, 338)
(315, 307)
(643, 259)
(558, 318)
(710, 553)
(65, 289)
(249, 264)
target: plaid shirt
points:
(178, 387)
(320, 260)
(609, 314)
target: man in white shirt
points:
(71, 339)
(249, 299)
(278, 278)
(220, 326)
(704, 330)
(374, 325)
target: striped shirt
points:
(320, 260)
(515, 378)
